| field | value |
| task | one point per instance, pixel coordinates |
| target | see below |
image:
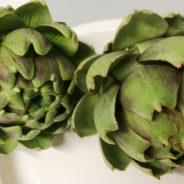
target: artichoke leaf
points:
(65, 66)
(3, 100)
(82, 120)
(12, 63)
(177, 141)
(132, 144)
(8, 145)
(114, 156)
(154, 168)
(168, 50)
(10, 117)
(35, 124)
(13, 131)
(52, 111)
(60, 35)
(138, 27)
(42, 141)
(81, 72)
(20, 40)
(104, 113)
(31, 134)
(9, 21)
(161, 153)
(158, 131)
(125, 67)
(181, 95)
(57, 128)
(38, 113)
(2, 141)
(67, 106)
(47, 71)
(176, 24)
(47, 92)
(169, 162)
(101, 68)
(16, 102)
(142, 46)
(142, 98)
(7, 78)
(34, 13)
(72, 87)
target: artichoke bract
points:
(36, 72)
(134, 94)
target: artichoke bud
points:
(36, 70)
(137, 104)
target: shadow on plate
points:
(59, 140)
(180, 170)
(7, 170)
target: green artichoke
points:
(134, 94)
(36, 87)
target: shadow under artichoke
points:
(8, 173)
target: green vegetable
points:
(37, 62)
(134, 94)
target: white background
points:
(73, 160)
(75, 12)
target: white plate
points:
(73, 160)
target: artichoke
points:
(36, 74)
(134, 94)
